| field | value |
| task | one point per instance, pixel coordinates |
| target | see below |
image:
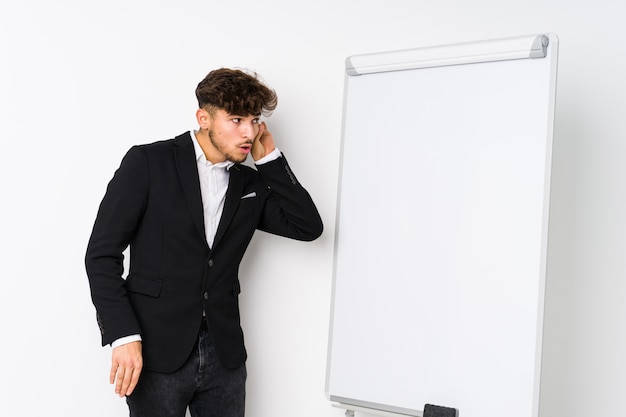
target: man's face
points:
(232, 135)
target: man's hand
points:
(263, 143)
(126, 367)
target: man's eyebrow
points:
(242, 115)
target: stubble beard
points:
(229, 156)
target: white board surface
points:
(441, 236)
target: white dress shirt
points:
(213, 185)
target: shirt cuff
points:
(125, 340)
(275, 154)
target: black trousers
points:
(202, 384)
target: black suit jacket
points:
(153, 203)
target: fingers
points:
(114, 367)
(126, 367)
(126, 382)
(258, 148)
(259, 135)
(262, 129)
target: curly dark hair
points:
(236, 92)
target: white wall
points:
(80, 82)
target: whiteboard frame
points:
(525, 47)
(519, 47)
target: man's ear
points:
(204, 119)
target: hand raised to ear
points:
(263, 143)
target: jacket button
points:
(210, 263)
(206, 295)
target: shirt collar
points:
(200, 157)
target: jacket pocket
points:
(143, 285)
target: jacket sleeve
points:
(118, 217)
(289, 210)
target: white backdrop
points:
(81, 81)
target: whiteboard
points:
(441, 234)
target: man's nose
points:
(247, 129)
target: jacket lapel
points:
(233, 198)
(188, 173)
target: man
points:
(188, 209)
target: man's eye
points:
(256, 121)
(236, 120)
